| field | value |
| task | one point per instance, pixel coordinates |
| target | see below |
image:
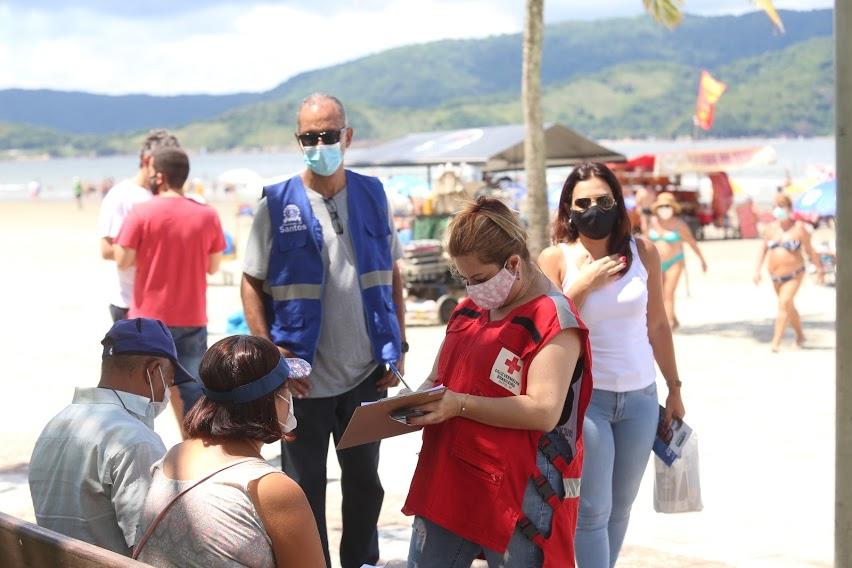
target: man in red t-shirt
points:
(174, 243)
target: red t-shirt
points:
(173, 238)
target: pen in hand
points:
(398, 375)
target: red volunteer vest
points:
(470, 477)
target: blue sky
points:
(194, 46)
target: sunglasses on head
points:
(605, 202)
(313, 138)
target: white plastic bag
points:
(677, 488)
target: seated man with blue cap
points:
(90, 468)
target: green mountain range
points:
(625, 77)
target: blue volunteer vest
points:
(296, 272)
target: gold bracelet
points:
(463, 406)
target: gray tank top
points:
(214, 524)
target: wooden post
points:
(843, 409)
(535, 204)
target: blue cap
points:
(286, 368)
(143, 336)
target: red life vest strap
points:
(545, 489)
(529, 530)
(548, 448)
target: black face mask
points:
(594, 222)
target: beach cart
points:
(428, 281)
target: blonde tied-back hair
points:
(488, 229)
(783, 200)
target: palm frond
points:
(666, 12)
(769, 8)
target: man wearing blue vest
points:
(321, 282)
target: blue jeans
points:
(191, 344)
(618, 433)
(435, 547)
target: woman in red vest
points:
(499, 470)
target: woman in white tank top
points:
(615, 281)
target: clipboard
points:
(372, 421)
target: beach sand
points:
(765, 421)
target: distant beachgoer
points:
(106, 185)
(78, 192)
(644, 197)
(248, 513)
(35, 189)
(197, 187)
(783, 241)
(668, 233)
(90, 468)
(115, 207)
(174, 242)
(615, 280)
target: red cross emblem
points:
(512, 365)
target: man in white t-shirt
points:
(114, 210)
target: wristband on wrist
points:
(675, 383)
(463, 409)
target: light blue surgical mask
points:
(323, 159)
(781, 213)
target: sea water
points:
(796, 159)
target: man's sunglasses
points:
(604, 202)
(313, 138)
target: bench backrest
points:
(24, 544)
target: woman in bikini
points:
(668, 233)
(783, 241)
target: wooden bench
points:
(24, 544)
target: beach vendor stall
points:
(487, 149)
(652, 174)
(459, 165)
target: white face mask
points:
(780, 213)
(492, 293)
(665, 213)
(157, 408)
(291, 423)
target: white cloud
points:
(263, 45)
(224, 47)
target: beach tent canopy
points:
(701, 160)
(493, 148)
